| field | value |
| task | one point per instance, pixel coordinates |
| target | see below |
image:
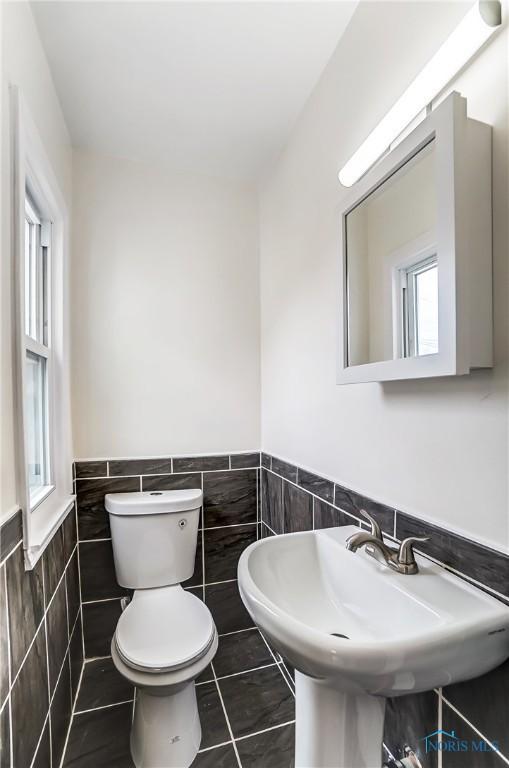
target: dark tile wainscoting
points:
(41, 648)
(293, 499)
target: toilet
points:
(165, 636)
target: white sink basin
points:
(404, 634)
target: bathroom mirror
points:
(416, 255)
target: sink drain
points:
(337, 634)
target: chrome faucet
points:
(401, 560)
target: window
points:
(419, 300)
(37, 352)
(42, 355)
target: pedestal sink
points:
(357, 632)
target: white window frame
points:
(32, 171)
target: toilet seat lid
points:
(163, 629)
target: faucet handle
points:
(406, 551)
(375, 528)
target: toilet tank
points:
(154, 536)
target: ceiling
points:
(208, 87)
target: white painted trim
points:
(463, 234)
(31, 166)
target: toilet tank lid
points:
(153, 502)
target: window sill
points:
(44, 527)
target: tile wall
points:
(229, 522)
(41, 648)
(293, 499)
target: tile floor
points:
(246, 703)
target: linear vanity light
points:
(472, 32)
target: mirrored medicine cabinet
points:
(416, 253)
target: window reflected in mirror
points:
(392, 266)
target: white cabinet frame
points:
(464, 247)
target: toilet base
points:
(166, 728)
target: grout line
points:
(246, 671)
(103, 600)
(168, 474)
(233, 525)
(236, 631)
(476, 730)
(104, 706)
(215, 746)
(39, 740)
(226, 715)
(278, 663)
(47, 664)
(9, 667)
(13, 550)
(265, 730)
(71, 720)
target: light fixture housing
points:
(477, 26)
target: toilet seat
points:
(164, 629)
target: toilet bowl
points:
(166, 636)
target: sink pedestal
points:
(336, 729)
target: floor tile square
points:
(220, 757)
(100, 739)
(257, 700)
(240, 652)
(270, 749)
(101, 685)
(213, 722)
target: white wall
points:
(165, 296)
(438, 449)
(23, 64)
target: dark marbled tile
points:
(91, 468)
(76, 657)
(60, 713)
(223, 547)
(485, 703)
(353, 502)
(271, 749)
(99, 624)
(220, 757)
(453, 758)
(72, 583)
(200, 463)
(485, 565)
(53, 561)
(229, 497)
(265, 532)
(186, 481)
(98, 578)
(197, 577)
(100, 739)
(297, 509)
(328, 517)
(257, 700)
(58, 640)
(101, 685)
(93, 522)
(316, 484)
(290, 669)
(11, 533)
(227, 607)
(70, 533)
(5, 735)
(43, 756)
(283, 468)
(30, 702)
(4, 646)
(407, 721)
(244, 460)
(240, 652)
(206, 676)
(140, 467)
(272, 501)
(26, 605)
(213, 721)
(266, 460)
